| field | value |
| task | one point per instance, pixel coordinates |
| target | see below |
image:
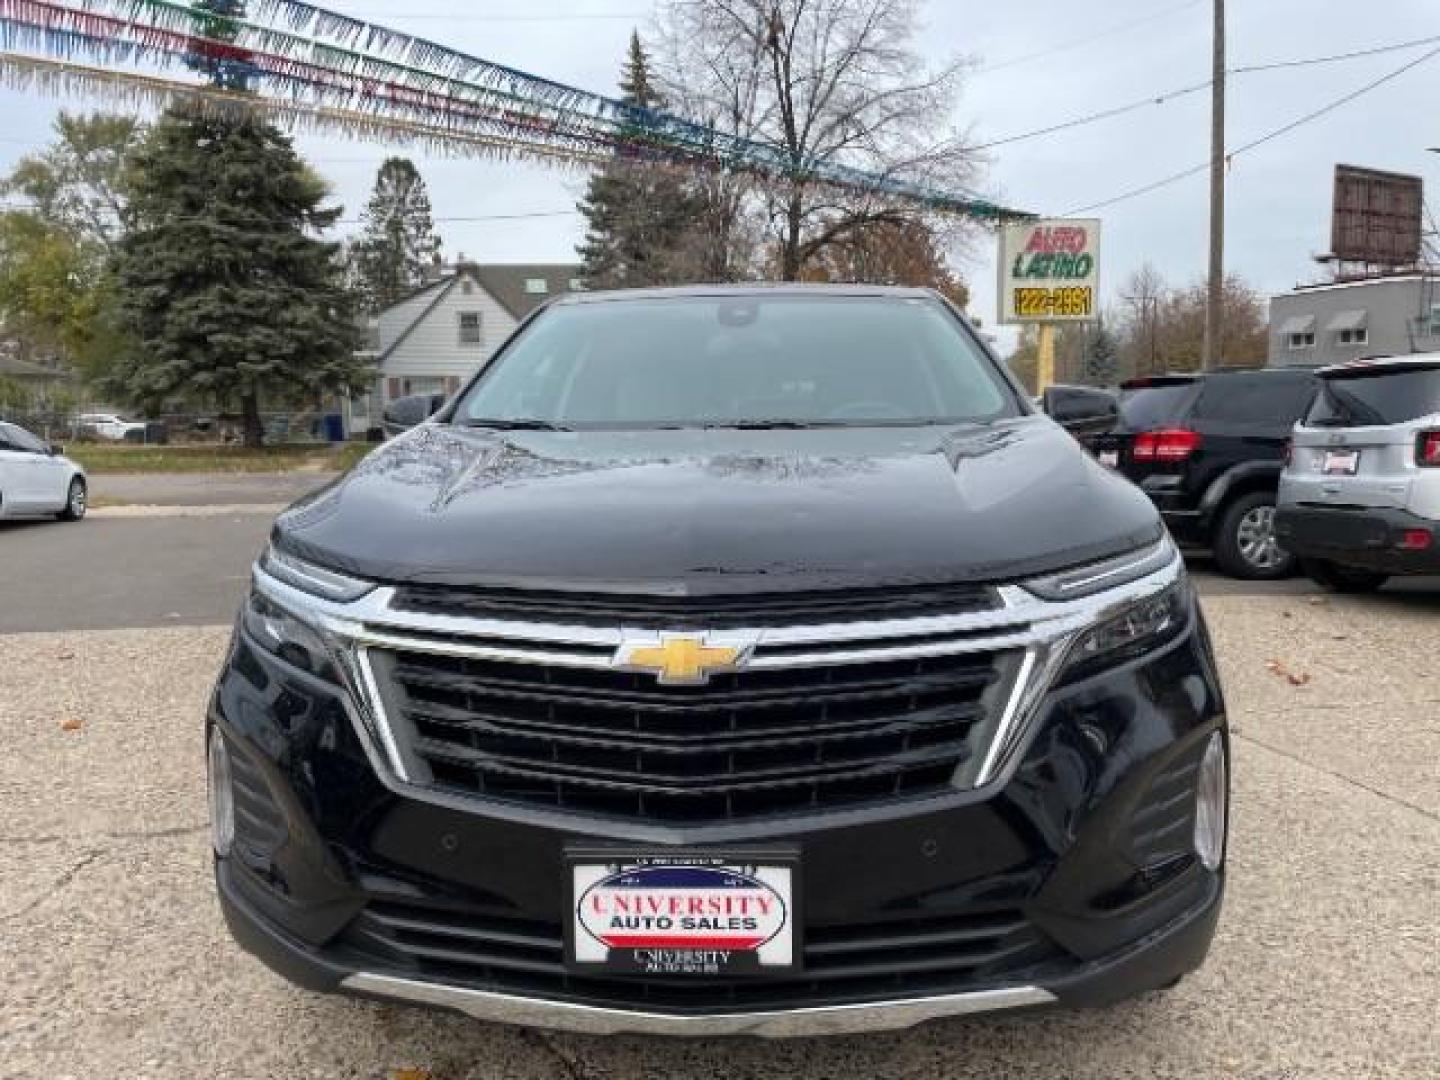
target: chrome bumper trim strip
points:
(794, 1023)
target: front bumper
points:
(1364, 538)
(1155, 961)
(1082, 851)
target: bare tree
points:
(826, 83)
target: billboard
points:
(1050, 270)
(1377, 217)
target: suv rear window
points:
(1146, 407)
(1260, 398)
(1385, 397)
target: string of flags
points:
(311, 67)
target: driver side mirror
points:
(1082, 410)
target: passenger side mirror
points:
(1081, 410)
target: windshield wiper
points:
(772, 425)
(524, 424)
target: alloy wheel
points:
(1255, 537)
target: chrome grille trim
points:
(1044, 630)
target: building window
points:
(537, 286)
(577, 284)
(1303, 341)
(1360, 336)
(470, 328)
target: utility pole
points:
(1045, 357)
(1214, 329)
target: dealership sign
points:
(688, 917)
(1050, 270)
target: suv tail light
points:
(1166, 444)
(1427, 450)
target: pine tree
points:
(640, 216)
(399, 241)
(229, 72)
(221, 278)
(1102, 362)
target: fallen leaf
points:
(409, 1074)
(1279, 670)
(71, 723)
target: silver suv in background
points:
(1360, 495)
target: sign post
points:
(1049, 274)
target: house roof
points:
(508, 283)
(12, 367)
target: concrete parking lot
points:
(114, 962)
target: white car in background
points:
(109, 426)
(36, 480)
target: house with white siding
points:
(434, 340)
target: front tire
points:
(1332, 577)
(1245, 543)
(77, 501)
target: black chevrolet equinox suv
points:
(724, 660)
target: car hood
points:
(691, 512)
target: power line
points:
(1269, 136)
(1184, 91)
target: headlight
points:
(315, 580)
(282, 632)
(1143, 625)
(1095, 578)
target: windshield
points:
(741, 361)
(1152, 406)
(1391, 397)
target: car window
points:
(1385, 397)
(1146, 407)
(702, 360)
(1261, 398)
(22, 440)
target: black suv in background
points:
(1209, 450)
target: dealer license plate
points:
(1110, 458)
(683, 915)
(1341, 462)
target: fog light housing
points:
(1211, 798)
(222, 796)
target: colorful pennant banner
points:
(380, 80)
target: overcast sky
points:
(1036, 62)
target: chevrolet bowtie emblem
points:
(684, 659)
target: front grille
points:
(705, 612)
(749, 743)
(845, 963)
